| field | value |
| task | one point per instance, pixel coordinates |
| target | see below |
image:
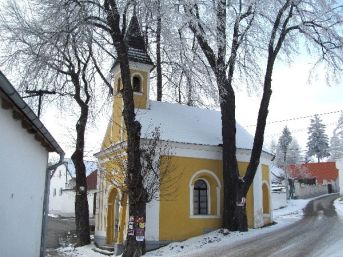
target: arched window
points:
(200, 198)
(136, 81)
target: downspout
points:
(46, 202)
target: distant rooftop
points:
(321, 171)
(90, 167)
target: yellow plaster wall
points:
(242, 166)
(175, 221)
(266, 200)
(116, 130)
(265, 173)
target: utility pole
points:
(40, 94)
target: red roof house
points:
(92, 180)
(322, 171)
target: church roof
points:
(184, 124)
(21, 111)
(135, 42)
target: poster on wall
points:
(131, 229)
(139, 228)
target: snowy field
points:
(283, 217)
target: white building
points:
(339, 166)
(62, 192)
(24, 148)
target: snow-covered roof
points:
(185, 124)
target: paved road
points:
(317, 234)
(57, 229)
(60, 229)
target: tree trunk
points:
(134, 248)
(134, 179)
(158, 53)
(230, 167)
(81, 201)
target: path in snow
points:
(319, 233)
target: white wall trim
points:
(205, 217)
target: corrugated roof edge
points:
(13, 95)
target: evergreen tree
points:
(318, 141)
(336, 141)
(287, 151)
(293, 154)
(283, 144)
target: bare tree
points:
(157, 167)
(260, 29)
(53, 51)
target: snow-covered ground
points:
(335, 246)
(218, 238)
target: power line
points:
(299, 118)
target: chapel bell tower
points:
(140, 66)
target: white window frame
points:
(208, 196)
(197, 176)
(142, 80)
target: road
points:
(58, 228)
(319, 233)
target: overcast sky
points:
(293, 96)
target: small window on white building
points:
(61, 191)
(54, 192)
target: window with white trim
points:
(204, 195)
(200, 198)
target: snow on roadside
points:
(53, 215)
(83, 251)
(283, 217)
(338, 203)
(218, 238)
(334, 249)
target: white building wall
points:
(279, 200)
(61, 201)
(23, 170)
(339, 166)
(153, 221)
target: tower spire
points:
(135, 41)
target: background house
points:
(24, 148)
(62, 192)
(339, 165)
(278, 192)
(312, 179)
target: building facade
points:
(192, 205)
(24, 148)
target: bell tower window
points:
(137, 84)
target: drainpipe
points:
(46, 202)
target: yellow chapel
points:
(194, 137)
